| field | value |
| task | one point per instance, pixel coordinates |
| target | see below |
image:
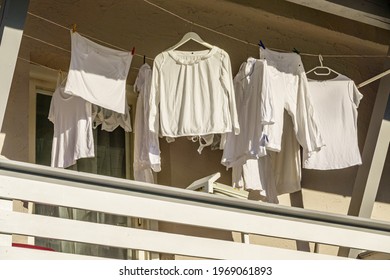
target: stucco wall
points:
(15, 126)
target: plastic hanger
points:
(190, 36)
(322, 67)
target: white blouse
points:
(192, 94)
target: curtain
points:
(110, 159)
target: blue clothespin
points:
(261, 44)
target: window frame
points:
(44, 81)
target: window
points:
(112, 158)
(110, 151)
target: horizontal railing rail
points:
(39, 184)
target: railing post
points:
(6, 239)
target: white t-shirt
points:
(73, 137)
(335, 102)
(254, 108)
(98, 74)
(192, 94)
(146, 143)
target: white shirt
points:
(98, 74)
(146, 143)
(73, 138)
(192, 94)
(256, 175)
(335, 102)
(254, 107)
(276, 173)
(290, 92)
(295, 119)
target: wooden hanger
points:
(322, 67)
(190, 36)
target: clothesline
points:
(47, 43)
(206, 28)
(165, 10)
(85, 35)
(49, 68)
(58, 47)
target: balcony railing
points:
(38, 184)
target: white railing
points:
(38, 184)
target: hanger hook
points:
(321, 59)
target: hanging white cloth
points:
(294, 118)
(255, 109)
(146, 142)
(335, 102)
(290, 90)
(110, 120)
(73, 137)
(98, 74)
(192, 94)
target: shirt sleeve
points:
(227, 81)
(355, 94)
(152, 138)
(266, 106)
(154, 97)
(305, 121)
(51, 115)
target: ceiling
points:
(154, 25)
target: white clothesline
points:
(211, 30)
(85, 35)
(50, 68)
(377, 77)
(204, 27)
(136, 68)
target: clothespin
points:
(74, 26)
(133, 51)
(295, 50)
(261, 44)
(144, 59)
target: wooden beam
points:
(11, 30)
(372, 18)
(373, 158)
(364, 192)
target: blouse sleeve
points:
(266, 107)
(227, 78)
(154, 97)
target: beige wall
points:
(15, 126)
